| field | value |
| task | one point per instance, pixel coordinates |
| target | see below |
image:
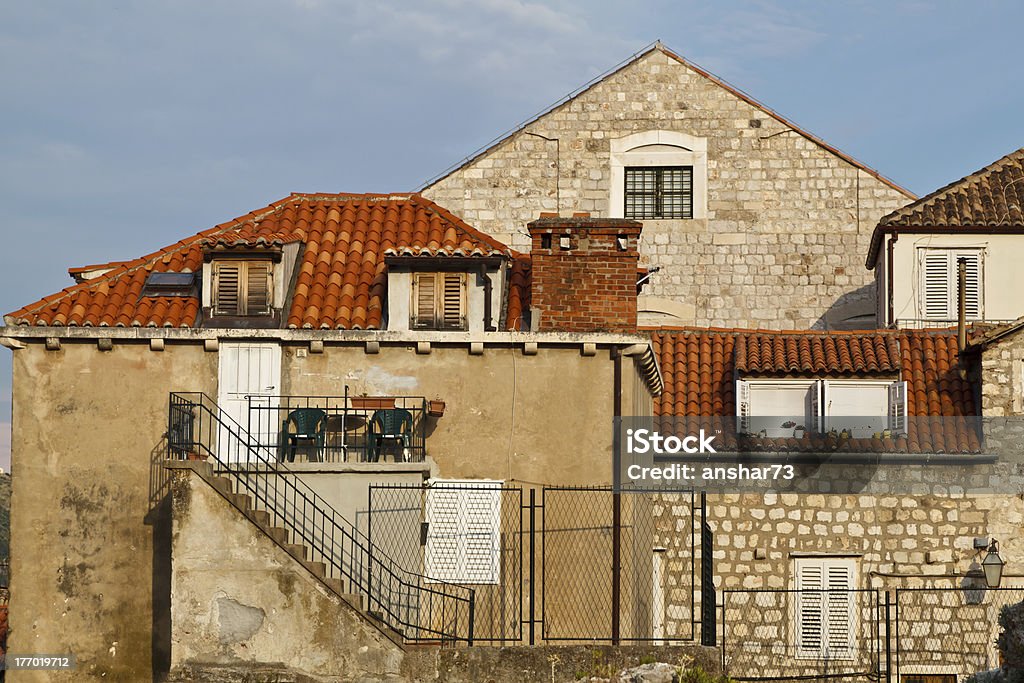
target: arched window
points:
(658, 175)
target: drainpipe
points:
(888, 278)
(488, 286)
(616, 500)
(961, 314)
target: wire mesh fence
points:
(800, 634)
(949, 630)
(465, 534)
(611, 562)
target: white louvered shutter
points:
(935, 284)
(839, 606)
(826, 616)
(227, 278)
(442, 550)
(898, 407)
(815, 416)
(464, 531)
(972, 284)
(810, 617)
(257, 288)
(742, 407)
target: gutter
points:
(890, 313)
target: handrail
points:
(421, 609)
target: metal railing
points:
(349, 428)
(419, 608)
(929, 323)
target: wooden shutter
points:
(898, 407)
(257, 288)
(227, 288)
(464, 531)
(423, 301)
(939, 269)
(742, 407)
(453, 301)
(810, 618)
(935, 289)
(839, 610)
(439, 301)
(972, 284)
(825, 616)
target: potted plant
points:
(435, 408)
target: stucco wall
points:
(788, 222)
(88, 550)
(91, 542)
(239, 600)
(1002, 275)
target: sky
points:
(127, 125)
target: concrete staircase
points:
(245, 504)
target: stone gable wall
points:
(788, 222)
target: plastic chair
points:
(310, 425)
(394, 424)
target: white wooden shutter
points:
(423, 301)
(898, 407)
(815, 416)
(972, 284)
(810, 616)
(935, 284)
(825, 608)
(824, 397)
(742, 407)
(839, 610)
(464, 531)
(227, 283)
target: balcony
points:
(339, 429)
(310, 429)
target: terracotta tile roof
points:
(519, 291)
(992, 197)
(341, 278)
(700, 367)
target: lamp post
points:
(992, 565)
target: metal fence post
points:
(533, 548)
(616, 565)
(888, 638)
(707, 577)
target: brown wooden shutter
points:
(242, 287)
(423, 298)
(227, 281)
(453, 303)
(257, 288)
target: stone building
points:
(750, 220)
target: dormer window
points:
(243, 287)
(439, 301)
(786, 407)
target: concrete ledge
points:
(207, 468)
(554, 663)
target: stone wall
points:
(787, 224)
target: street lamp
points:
(992, 565)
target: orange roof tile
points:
(340, 282)
(700, 368)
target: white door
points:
(249, 377)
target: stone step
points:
(319, 569)
(261, 517)
(222, 484)
(297, 550)
(279, 534)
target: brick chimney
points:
(584, 273)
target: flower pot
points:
(435, 408)
(192, 455)
(372, 402)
